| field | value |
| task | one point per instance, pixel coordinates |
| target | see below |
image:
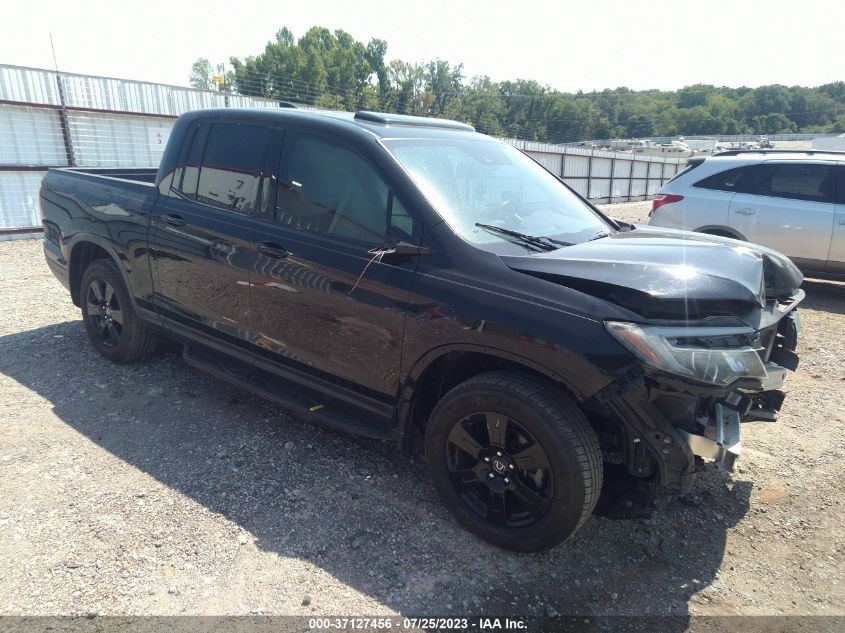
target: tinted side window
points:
(228, 176)
(191, 168)
(797, 181)
(327, 188)
(400, 219)
(736, 180)
(840, 184)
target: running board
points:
(305, 402)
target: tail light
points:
(41, 204)
(664, 198)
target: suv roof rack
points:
(735, 152)
(414, 121)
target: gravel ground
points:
(154, 489)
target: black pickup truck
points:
(412, 280)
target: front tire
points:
(109, 316)
(514, 459)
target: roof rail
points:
(414, 121)
(736, 152)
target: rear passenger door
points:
(836, 259)
(203, 230)
(323, 306)
(788, 206)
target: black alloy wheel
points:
(499, 469)
(104, 311)
(109, 315)
(514, 459)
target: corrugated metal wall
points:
(117, 140)
(51, 119)
(604, 176)
(31, 136)
(19, 198)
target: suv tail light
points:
(41, 204)
(664, 198)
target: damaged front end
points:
(733, 374)
(697, 383)
(713, 325)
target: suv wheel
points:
(515, 460)
(109, 317)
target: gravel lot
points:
(154, 489)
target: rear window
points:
(228, 177)
(685, 170)
(191, 169)
(737, 179)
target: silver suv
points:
(793, 202)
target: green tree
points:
(444, 84)
(376, 51)
(201, 72)
(333, 70)
(481, 105)
(407, 85)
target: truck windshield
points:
(485, 182)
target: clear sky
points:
(582, 45)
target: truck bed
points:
(137, 174)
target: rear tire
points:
(109, 316)
(514, 459)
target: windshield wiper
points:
(544, 243)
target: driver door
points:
(323, 306)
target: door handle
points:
(174, 220)
(842, 222)
(745, 211)
(271, 249)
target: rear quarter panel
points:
(700, 208)
(109, 212)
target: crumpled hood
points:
(665, 264)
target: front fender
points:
(431, 356)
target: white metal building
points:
(57, 119)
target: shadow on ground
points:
(360, 510)
(828, 296)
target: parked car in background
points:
(793, 202)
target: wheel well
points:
(720, 232)
(442, 375)
(80, 258)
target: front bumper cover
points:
(658, 437)
(719, 439)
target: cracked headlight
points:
(718, 355)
